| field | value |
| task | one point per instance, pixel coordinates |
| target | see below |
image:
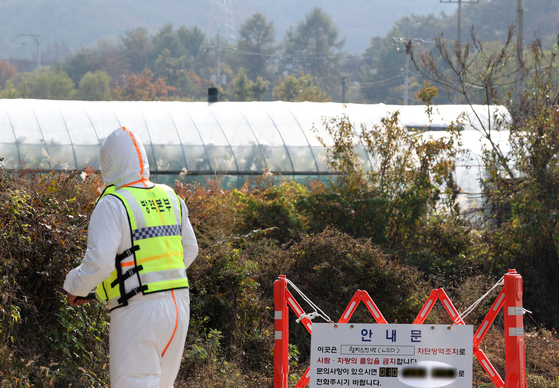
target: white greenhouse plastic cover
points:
(224, 137)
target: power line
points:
(251, 53)
(380, 82)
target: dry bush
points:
(43, 235)
(542, 357)
(230, 342)
(213, 211)
(542, 345)
(329, 267)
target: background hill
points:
(74, 24)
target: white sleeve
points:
(189, 244)
(105, 236)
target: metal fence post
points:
(281, 334)
(515, 367)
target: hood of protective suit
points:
(123, 159)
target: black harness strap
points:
(127, 274)
(120, 276)
(135, 291)
(127, 253)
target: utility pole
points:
(406, 76)
(459, 21)
(459, 35)
(406, 68)
(217, 78)
(459, 39)
(218, 59)
(343, 90)
(519, 52)
(407, 71)
(407, 65)
(37, 39)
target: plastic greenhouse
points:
(233, 139)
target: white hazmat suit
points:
(147, 336)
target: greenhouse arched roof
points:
(224, 137)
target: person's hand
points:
(74, 300)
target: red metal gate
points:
(510, 298)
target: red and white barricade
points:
(509, 299)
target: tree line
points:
(310, 63)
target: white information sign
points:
(392, 355)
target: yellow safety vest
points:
(156, 255)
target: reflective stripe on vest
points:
(156, 256)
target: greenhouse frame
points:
(230, 139)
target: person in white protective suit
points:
(140, 244)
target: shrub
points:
(333, 265)
(231, 335)
(43, 235)
(444, 248)
(524, 222)
(273, 207)
(366, 216)
(329, 267)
